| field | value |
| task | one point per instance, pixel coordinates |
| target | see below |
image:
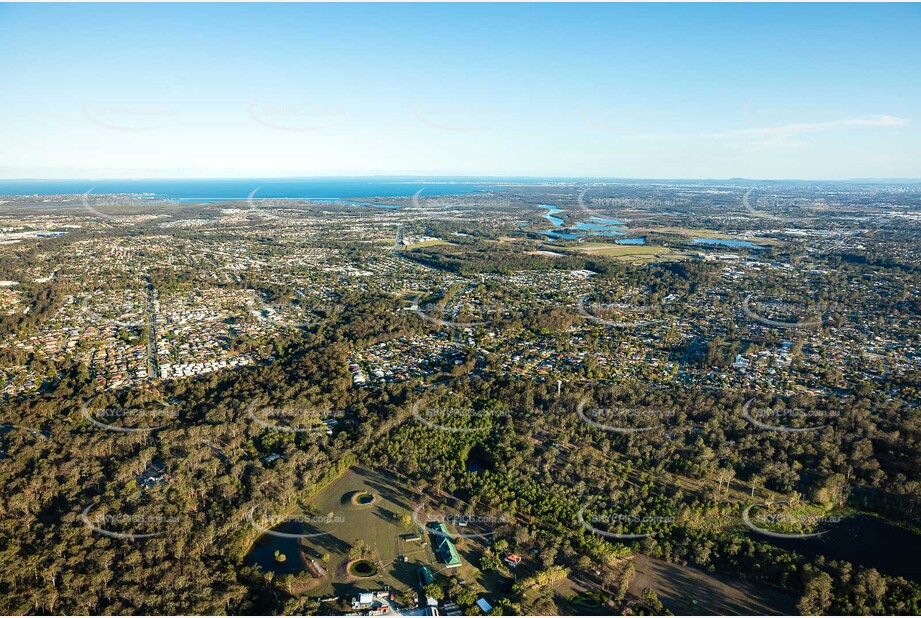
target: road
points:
(153, 362)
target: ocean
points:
(240, 188)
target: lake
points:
(863, 540)
(595, 226)
(262, 553)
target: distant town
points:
(576, 398)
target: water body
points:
(233, 189)
(630, 241)
(595, 226)
(863, 540)
(725, 243)
(566, 235)
(262, 553)
(607, 221)
(552, 210)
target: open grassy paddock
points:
(367, 506)
(629, 252)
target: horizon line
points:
(466, 177)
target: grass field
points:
(630, 252)
(377, 524)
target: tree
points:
(756, 481)
(652, 601)
(358, 549)
(434, 591)
(817, 595)
(725, 475)
(625, 578)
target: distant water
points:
(606, 221)
(214, 190)
(551, 210)
(595, 226)
(723, 242)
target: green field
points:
(630, 252)
(377, 524)
(340, 517)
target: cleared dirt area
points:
(690, 591)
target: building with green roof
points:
(446, 548)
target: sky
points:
(824, 91)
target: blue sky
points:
(645, 91)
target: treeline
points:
(41, 303)
(51, 562)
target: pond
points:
(863, 540)
(362, 568)
(362, 498)
(262, 553)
